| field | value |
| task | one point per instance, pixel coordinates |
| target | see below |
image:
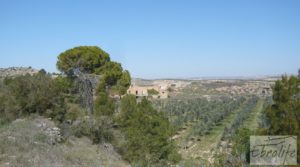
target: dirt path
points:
(253, 121)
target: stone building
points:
(142, 91)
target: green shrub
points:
(152, 92)
(104, 105)
(101, 132)
(74, 112)
(28, 94)
(98, 130)
(147, 133)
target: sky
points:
(157, 38)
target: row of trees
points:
(182, 110)
(213, 117)
(238, 121)
(199, 114)
(281, 117)
(236, 138)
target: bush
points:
(32, 94)
(98, 130)
(152, 92)
(147, 132)
(283, 116)
(74, 112)
(104, 105)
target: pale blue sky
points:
(157, 38)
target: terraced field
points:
(203, 149)
(203, 146)
(254, 118)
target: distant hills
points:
(259, 77)
(13, 71)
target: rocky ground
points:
(38, 142)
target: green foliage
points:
(123, 83)
(32, 94)
(92, 59)
(205, 113)
(148, 133)
(191, 163)
(111, 71)
(97, 129)
(43, 72)
(102, 131)
(240, 118)
(241, 144)
(128, 107)
(63, 84)
(285, 90)
(8, 105)
(74, 112)
(240, 152)
(114, 78)
(104, 104)
(283, 117)
(152, 92)
(86, 58)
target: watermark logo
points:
(273, 150)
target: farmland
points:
(207, 116)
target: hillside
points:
(86, 125)
(14, 71)
(95, 114)
(37, 142)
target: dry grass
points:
(23, 143)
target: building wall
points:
(143, 91)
